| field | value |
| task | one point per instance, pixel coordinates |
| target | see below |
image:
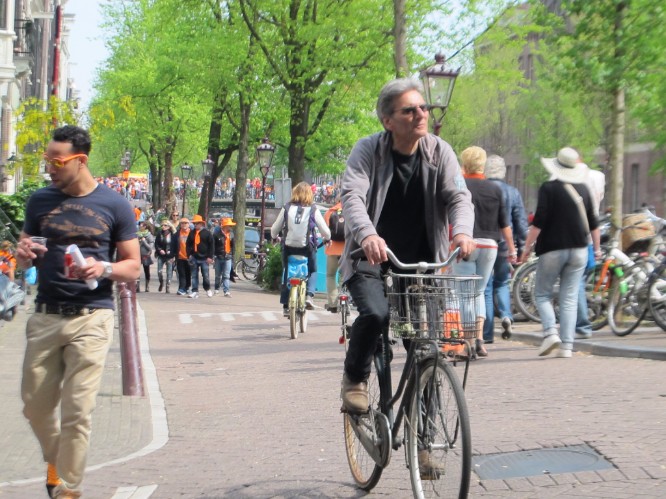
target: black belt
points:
(64, 310)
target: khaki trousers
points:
(62, 372)
(331, 282)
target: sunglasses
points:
(412, 109)
(60, 162)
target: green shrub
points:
(271, 275)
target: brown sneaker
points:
(430, 467)
(354, 395)
(52, 479)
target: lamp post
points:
(185, 172)
(265, 152)
(207, 165)
(438, 85)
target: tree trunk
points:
(298, 134)
(400, 38)
(169, 193)
(240, 193)
(617, 157)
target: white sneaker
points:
(563, 354)
(194, 295)
(217, 292)
(550, 343)
(209, 293)
(227, 294)
(309, 303)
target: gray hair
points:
(391, 91)
(495, 167)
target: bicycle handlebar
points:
(420, 267)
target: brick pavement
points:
(252, 413)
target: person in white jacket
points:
(298, 218)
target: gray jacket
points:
(366, 181)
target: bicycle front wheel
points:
(250, 270)
(363, 468)
(626, 309)
(438, 442)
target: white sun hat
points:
(566, 167)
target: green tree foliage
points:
(36, 121)
(13, 205)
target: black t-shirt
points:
(489, 212)
(402, 223)
(559, 218)
(94, 223)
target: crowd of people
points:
(403, 189)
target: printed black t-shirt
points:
(94, 223)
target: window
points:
(635, 179)
(3, 14)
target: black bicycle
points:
(437, 314)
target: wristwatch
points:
(108, 270)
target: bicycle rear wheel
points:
(437, 427)
(293, 312)
(523, 291)
(363, 468)
(626, 309)
(597, 301)
(250, 270)
(657, 298)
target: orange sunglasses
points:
(60, 162)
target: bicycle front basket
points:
(433, 306)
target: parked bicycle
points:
(431, 311)
(250, 268)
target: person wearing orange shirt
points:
(333, 252)
(7, 260)
(182, 260)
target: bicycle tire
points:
(625, 311)
(250, 272)
(238, 268)
(364, 470)
(522, 291)
(447, 429)
(293, 312)
(303, 321)
(344, 329)
(657, 297)
(597, 301)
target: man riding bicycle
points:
(402, 188)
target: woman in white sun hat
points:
(564, 217)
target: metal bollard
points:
(129, 342)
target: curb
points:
(603, 348)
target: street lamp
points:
(185, 173)
(265, 152)
(438, 85)
(207, 165)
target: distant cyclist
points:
(299, 217)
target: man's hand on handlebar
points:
(466, 245)
(374, 248)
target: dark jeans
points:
(367, 289)
(184, 274)
(200, 264)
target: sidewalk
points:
(246, 412)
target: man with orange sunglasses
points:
(71, 330)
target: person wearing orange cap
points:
(224, 254)
(200, 251)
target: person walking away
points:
(69, 334)
(146, 246)
(182, 260)
(224, 254)
(562, 222)
(498, 284)
(335, 221)
(7, 260)
(200, 252)
(490, 224)
(596, 184)
(166, 248)
(298, 218)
